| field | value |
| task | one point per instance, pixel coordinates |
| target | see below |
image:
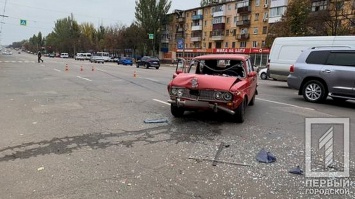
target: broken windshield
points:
(220, 67)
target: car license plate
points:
(155, 62)
(194, 92)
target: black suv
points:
(149, 61)
(320, 72)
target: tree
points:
(149, 15)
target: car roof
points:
(223, 56)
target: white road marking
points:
(281, 103)
(166, 103)
(153, 80)
(101, 70)
(57, 70)
(84, 78)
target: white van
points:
(285, 50)
(64, 55)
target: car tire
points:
(146, 66)
(239, 115)
(157, 67)
(176, 111)
(252, 101)
(314, 91)
(137, 65)
(263, 76)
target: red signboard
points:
(242, 50)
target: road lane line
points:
(281, 103)
(84, 78)
(57, 70)
(153, 80)
(166, 103)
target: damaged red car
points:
(217, 82)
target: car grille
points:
(199, 94)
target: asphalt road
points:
(81, 134)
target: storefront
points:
(259, 56)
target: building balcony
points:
(278, 3)
(196, 38)
(219, 14)
(194, 28)
(243, 23)
(181, 19)
(217, 37)
(220, 26)
(180, 30)
(246, 9)
(197, 17)
(165, 40)
(244, 36)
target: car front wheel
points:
(157, 67)
(176, 111)
(239, 115)
(314, 91)
(263, 76)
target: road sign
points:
(151, 36)
(23, 22)
(180, 43)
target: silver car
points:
(320, 72)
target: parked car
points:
(52, 55)
(125, 61)
(320, 72)
(217, 82)
(148, 61)
(285, 51)
(97, 59)
(263, 74)
(80, 56)
(64, 55)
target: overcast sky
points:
(42, 14)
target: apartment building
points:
(238, 26)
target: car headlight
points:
(180, 92)
(218, 95)
(174, 91)
(227, 96)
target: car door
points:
(252, 79)
(339, 73)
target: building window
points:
(257, 2)
(264, 29)
(266, 1)
(227, 19)
(319, 5)
(210, 45)
(236, 19)
(210, 33)
(205, 34)
(226, 45)
(263, 44)
(187, 15)
(277, 12)
(256, 17)
(233, 44)
(205, 23)
(243, 44)
(229, 7)
(227, 33)
(204, 45)
(255, 44)
(255, 31)
(339, 5)
(266, 15)
(234, 32)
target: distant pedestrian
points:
(39, 57)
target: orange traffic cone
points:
(93, 68)
(134, 74)
(81, 68)
(66, 67)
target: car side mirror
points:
(252, 74)
(178, 71)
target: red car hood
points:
(204, 81)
